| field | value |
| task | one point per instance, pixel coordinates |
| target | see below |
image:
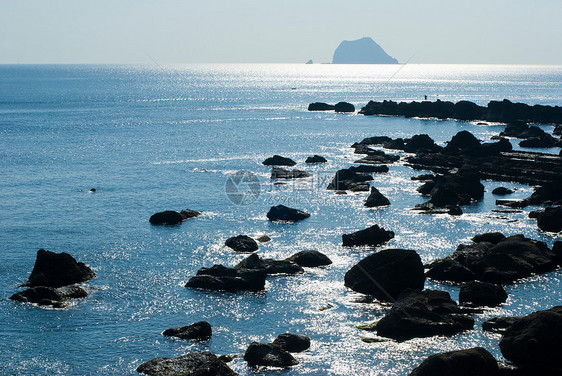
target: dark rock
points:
(489, 237)
(377, 140)
(544, 141)
(284, 213)
(448, 270)
(242, 243)
(170, 217)
(192, 364)
(92, 190)
(550, 219)
(265, 354)
(263, 239)
(421, 143)
(221, 278)
(310, 258)
(397, 144)
(57, 270)
(376, 199)
(462, 142)
(471, 362)
(494, 148)
(482, 294)
(446, 191)
(292, 342)
(281, 173)
(344, 107)
(502, 191)
(515, 128)
(373, 236)
(361, 51)
(278, 160)
(417, 314)
(269, 266)
(455, 210)
(316, 159)
(535, 339)
(319, 106)
(385, 274)
(424, 177)
(378, 158)
(49, 295)
(498, 324)
(199, 331)
(557, 130)
(369, 169)
(347, 179)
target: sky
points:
(282, 31)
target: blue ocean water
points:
(168, 138)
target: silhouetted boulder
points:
(373, 236)
(498, 324)
(471, 362)
(449, 270)
(515, 128)
(221, 278)
(482, 294)
(278, 160)
(292, 342)
(421, 143)
(170, 217)
(394, 270)
(284, 213)
(348, 179)
(417, 314)
(310, 258)
(369, 169)
(550, 219)
(489, 237)
(199, 331)
(263, 239)
(269, 266)
(376, 140)
(376, 199)
(265, 354)
(281, 173)
(544, 141)
(57, 270)
(462, 142)
(502, 191)
(242, 244)
(192, 364)
(344, 107)
(315, 159)
(49, 295)
(319, 106)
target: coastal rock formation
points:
(55, 297)
(376, 199)
(369, 169)
(344, 107)
(470, 362)
(193, 364)
(319, 106)
(278, 160)
(550, 219)
(549, 193)
(282, 173)
(348, 179)
(199, 331)
(489, 237)
(269, 266)
(372, 236)
(482, 294)
(170, 217)
(221, 278)
(498, 324)
(502, 191)
(242, 244)
(315, 159)
(266, 354)
(292, 342)
(386, 274)
(284, 213)
(361, 51)
(57, 270)
(418, 314)
(310, 258)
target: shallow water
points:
(151, 139)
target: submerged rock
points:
(55, 297)
(242, 244)
(315, 159)
(482, 294)
(498, 324)
(284, 213)
(281, 173)
(170, 217)
(369, 168)
(269, 266)
(386, 274)
(57, 270)
(265, 354)
(310, 258)
(192, 364)
(471, 362)
(376, 199)
(278, 160)
(373, 236)
(263, 239)
(221, 278)
(199, 331)
(292, 342)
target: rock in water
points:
(535, 339)
(498, 324)
(265, 354)
(315, 159)
(269, 266)
(361, 51)
(310, 258)
(242, 244)
(199, 331)
(281, 173)
(502, 191)
(344, 107)
(170, 217)
(551, 219)
(470, 362)
(57, 270)
(319, 106)
(376, 199)
(482, 294)
(49, 295)
(373, 236)
(221, 278)
(284, 213)
(192, 364)
(278, 160)
(386, 274)
(292, 342)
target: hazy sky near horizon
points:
(288, 31)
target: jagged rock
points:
(393, 270)
(310, 258)
(265, 354)
(498, 324)
(292, 342)
(199, 331)
(49, 295)
(373, 236)
(376, 199)
(284, 213)
(344, 107)
(418, 314)
(347, 179)
(502, 191)
(535, 339)
(242, 244)
(550, 219)
(489, 237)
(192, 364)
(482, 294)
(57, 270)
(278, 160)
(319, 106)
(221, 278)
(281, 173)
(315, 159)
(471, 362)
(170, 217)
(269, 266)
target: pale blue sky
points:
(283, 31)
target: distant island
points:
(361, 51)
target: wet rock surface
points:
(266, 354)
(284, 213)
(282, 173)
(222, 278)
(57, 270)
(482, 294)
(170, 217)
(310, 258)
(373, 236)
(242, 244)
(269, 266)
(292, 342)
(498, 324)
(51, 296)
(192, 364)
(278, 160)
(199, 331)
(470, 362)
(315, 159)
(376, 199)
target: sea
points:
(152, 138)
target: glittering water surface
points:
(151, 139)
